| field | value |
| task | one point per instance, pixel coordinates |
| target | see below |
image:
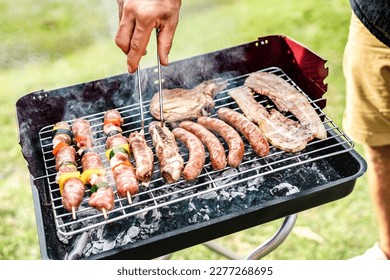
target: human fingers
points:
(165, 40)
(138, 44)
(125, 31)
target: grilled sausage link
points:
(171, 162)
(230, 135)
(247, 128)
(143, 156)
(118, 154)
(71, 187)
(196, 151)
(214, 146)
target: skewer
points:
(105, 213)
(74, 217)
(140, 99)
(129, 198)
(159, 83)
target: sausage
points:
(171, 162)
(230, 135)
(214, 146)
(143, 157)
(196, 151)
(247, 128)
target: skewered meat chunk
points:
(143, 156)
(246, 127)
(82, 135)
(282, 132)
(102, 199)
(113, 122)
(171, 162)
(230, 135)
(214, 146)
(287, 99)
(61, 134)
(72, 193)
(181, 104)
(196, 158)
(124, 174)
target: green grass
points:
(50, 44)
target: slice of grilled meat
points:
(182, 104)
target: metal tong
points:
(159, 90)
(141, 103)
(159, 83)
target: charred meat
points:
(181, 104)
(171, 162)
(287, 99)
(282, 132)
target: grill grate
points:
(158, 194)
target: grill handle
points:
(274, 242)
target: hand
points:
(137, 19)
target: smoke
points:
(109, 10)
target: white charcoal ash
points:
(78, 247)
(109, 245)
(284, 189)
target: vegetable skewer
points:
(71, 186)
(118, 153)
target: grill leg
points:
(213, 245)
(258, 253)
(274, 242)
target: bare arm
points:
(137, 19)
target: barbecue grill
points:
(165, 218)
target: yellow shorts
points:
(367, 72)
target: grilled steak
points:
(181, 104)
(287, 99)
(282, 132)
